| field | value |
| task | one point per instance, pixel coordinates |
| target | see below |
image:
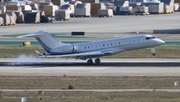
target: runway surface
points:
(108, 67)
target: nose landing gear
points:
(153, 51)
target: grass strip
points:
(161, 52)
(88, 82)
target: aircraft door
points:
(72, 48)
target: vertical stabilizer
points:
(47, 41)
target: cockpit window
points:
(148, 38)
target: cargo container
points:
(155, 8)
(141, 10)
(42, 4)
(95, 7)
(14, 8)
(20, 17)
(62, 15)
(34, 6)
(69, 7)
(134, 5)
(58, 2)
(121, 3)
(83, 10)
(1, 21)
(39, 1)
(105, 12)
(24, 12)
(106, 1)
(89, 1)
(177, 1)
(12, 20)
(124, 10)
(167, 9)
(50, 10)
(32, 17)
(12, 14)
(170, 3)
(26, 8)
(176, 7)
(6, 19)
(45, 19)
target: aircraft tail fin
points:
(47, 41)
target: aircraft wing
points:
(81, 55)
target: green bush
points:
(71, 86)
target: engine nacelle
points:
(62, 49)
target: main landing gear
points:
(90, 61)
(153, 51)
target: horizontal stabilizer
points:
(41, 32)
(39, 54)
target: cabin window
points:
(119, 43)
(88, 47)
(84, 47)
(111, 44)
(103, 45)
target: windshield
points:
(148, 38)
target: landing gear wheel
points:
(153, 51)
(97, 61)
(154, 54)
(89, 61)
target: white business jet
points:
(95, 49)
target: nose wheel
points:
(153, 51)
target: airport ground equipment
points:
(105, 13)
(62, 15)
(83, 10)
(32, 17)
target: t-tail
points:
(47, 41)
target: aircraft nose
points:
(160, 42)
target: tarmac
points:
(102, 28)
(96, 28)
